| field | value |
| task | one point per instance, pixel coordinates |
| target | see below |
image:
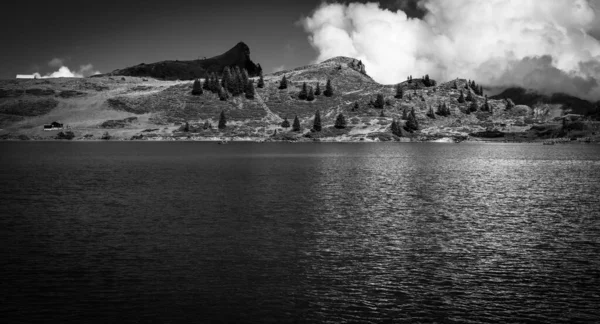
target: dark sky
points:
(115, 34)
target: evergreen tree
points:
(261, 81)
(240, 81)
(328, 89)
(185, 128)
(461, 98)
(396, 128)
(399, 92)
(430, 113)
(356, 106)
(206, 84)
(455, 85)
(340, 122)
(412, 124)
(311, 94)
(283, 83)
(226, 80)
(206, 125)
(426, 80)
(197, 88)
(285, 123)
(486, 105)
(317, 121)
(223, 94)
(467, 84)
(250, 90)
(440, 109)
(379, 102)
(222, 120)
(473, 107)
(215, 83)
(481, 90)
(404, 115)
(318, 89)
(469, 96)
(244, 76)
(509, 104)
(303, 93)
(446, 110)
(296, 125)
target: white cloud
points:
(279, 68)
(65, 72)
(545, 45)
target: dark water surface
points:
(326, 233)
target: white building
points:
(27, 76)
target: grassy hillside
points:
(93, 106)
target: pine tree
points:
(340, 122)
(461, 98)
(226, 80)
(412, 124)
(303, 93)
(223, 94)
(481, 90)
(328, 89)
(469, 96)
(473, 107)
(356, 106)
(467, 84)
(197, 88)
(318, 89)
(486, 105)
(426, 80)
(206, 84)
(261, 81)
(186, 127)
(222, 120)
(404, 115)
(399, 92)
(240, 80)
(250, 90)
(244, 76)
(317, 121)
(296, 125)
(430, 113)
(396, 129)
(379, 102)
(446, 110)
(440, 109)
(283, 83)
(311, 94)
(285, 123)
(215, 83)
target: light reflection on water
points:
(300, 233)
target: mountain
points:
(132, 107)
(188, 70)
(521, 96)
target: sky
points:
(546, 45)
(101, 36)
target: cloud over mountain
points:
(545, 45)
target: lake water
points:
(274, 233)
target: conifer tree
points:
(461, 98)
(317, 121)
(469, 96)
(396, 128)
(440, 109)
(446, 110)
(285, 123)
(404, 115)
(455, 85)
(197, 88)
(399, 92)
(486, 105)
(222, 120)
(250, 90)
(303, 94)
(215, 84)
(245, 76)
(328, 89)
(240, 81)
(340, 122)
(311, 94)
(261, 81)
(206, 84)
(318, 89)
(283, 83)
(412, 124)
(426, 80)
(356, 106)
(226, 80)
(481, 90)
(223, 94)
(467, 84)
(379, 102)
(430, 113)
(296, 125)
(473, 107)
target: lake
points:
(177, 232)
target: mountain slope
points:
(108, 104)
(188, 70)
(521, 96)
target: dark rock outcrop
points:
(188, 70)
